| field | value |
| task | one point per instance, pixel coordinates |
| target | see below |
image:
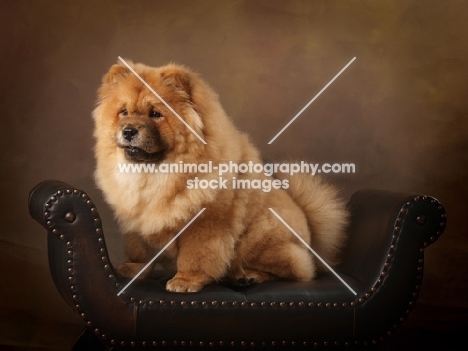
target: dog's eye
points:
(123, 112)
(155, 114)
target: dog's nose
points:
(129, 133)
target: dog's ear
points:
(116, 72)
(178, 77)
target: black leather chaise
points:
(383, 262)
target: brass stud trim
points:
(272, 304)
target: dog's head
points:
(131, 116)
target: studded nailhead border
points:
(70, 217)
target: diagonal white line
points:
(162, 250)
(311, 101)
(312, 250)
(162, 100)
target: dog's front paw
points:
(183, 284)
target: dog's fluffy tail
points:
(326, 214)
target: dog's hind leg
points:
(290, 262)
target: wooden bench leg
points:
(88, 342)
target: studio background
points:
(399, 113)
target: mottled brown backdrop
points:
(399, 112)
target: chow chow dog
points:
(237, 238)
